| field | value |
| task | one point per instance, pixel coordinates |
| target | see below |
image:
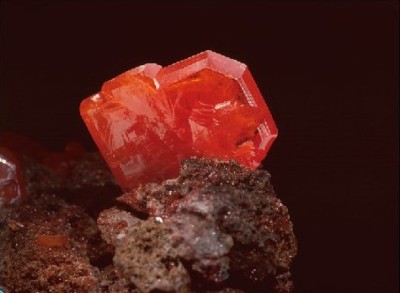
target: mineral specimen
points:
(148, 119)
(217, 226)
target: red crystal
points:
(12, 188)
(52, 241)
(148, 119)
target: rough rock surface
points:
(162, 199)
(146, 257)
(218, 227)
(114, 224)
(225, 221)
(48, 246)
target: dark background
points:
(327, 69)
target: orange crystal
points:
(148, 119)
(51, 241)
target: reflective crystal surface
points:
(148, 119)
(12, 188)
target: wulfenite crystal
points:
(148, 119)
(12, 188)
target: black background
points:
(328, 71)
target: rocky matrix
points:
(218, 223)
(148, 119)
(218, 227)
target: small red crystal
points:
(51, 241)
(148, 119)
(12, 188)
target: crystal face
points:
(148, 119)
(12, 189)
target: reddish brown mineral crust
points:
(185, 245)
(148, 119)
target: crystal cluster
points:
(148, 119)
